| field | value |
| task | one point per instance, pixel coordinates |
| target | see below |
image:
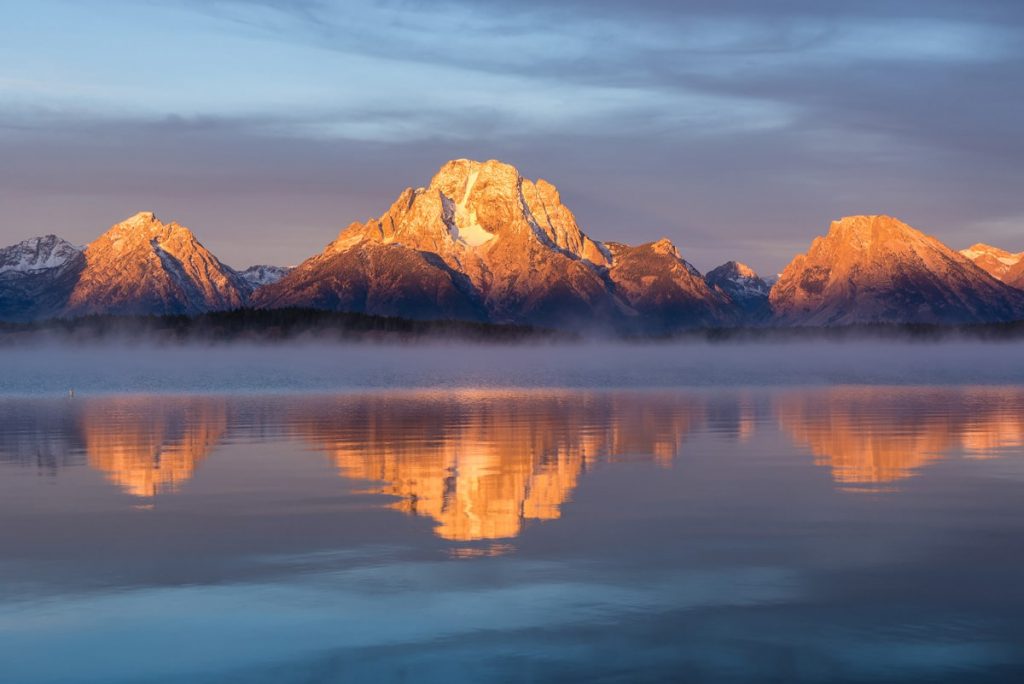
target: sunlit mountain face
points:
(483, 243)
(486, 465)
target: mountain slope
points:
(37, 276)
(1014, 277)
(876, 269)
(664, 289)
(483, 238)
(143, 266)
(744, 287)
(383, 280)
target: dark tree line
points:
(273, 325)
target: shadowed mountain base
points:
(281, 325)
(270, 325)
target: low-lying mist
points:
(54, 368)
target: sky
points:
(737, 128)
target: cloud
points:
(738, 128)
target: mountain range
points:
(482, 243)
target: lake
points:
(481, 520)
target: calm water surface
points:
(814, 534)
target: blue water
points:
(325, 513)
(814, 533)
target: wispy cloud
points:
(717, 123)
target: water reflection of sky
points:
(816, 534)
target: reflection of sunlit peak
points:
(489, 551)
(986, 439)
(471, 490)
(877, 436)
(482, 464)
(868, 489)
(890, 446)
(747, 424)
(149, 447)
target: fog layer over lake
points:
(304, 367)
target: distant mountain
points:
(1000, 264)
(143, 266)
(261, 274)
(37, 277)
(481, 242)
(876, 269)
(664, 289)
(381, 280)
(996, 262)
(742, 284)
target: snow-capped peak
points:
(37, 254)
(997, 262)
(261, 274)
(738, 280)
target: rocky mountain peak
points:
(734, 269)
(482, 240)
(145, 226)
(140, 218)
(453, 178)
(997, 262)
(874, 269)
(746, 289)
(864, 232)
(142, 265)
(472, 206)
(979, 248)
(665, 246)
(262, 274)
(36, 277)
(37, 254)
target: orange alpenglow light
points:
(481, 465)
(149, 448)
(144, 266)
(866, 439)
(877, 269)
(480, 242)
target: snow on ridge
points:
(465, 227)
(37, 254)
(462, 223)
(262, 274)
(1008, 258)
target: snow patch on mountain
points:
(37, 254)
(739, 281)
(463, 224)
(262, 274)
(996, 262)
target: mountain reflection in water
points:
(482, 464)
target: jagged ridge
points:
(482, 243)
